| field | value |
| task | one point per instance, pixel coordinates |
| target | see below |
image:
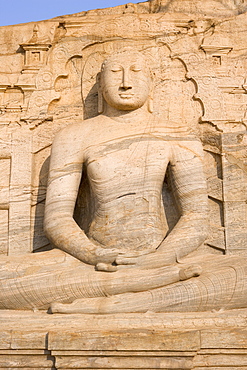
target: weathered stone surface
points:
(146, 340)
(22, 361)
(210, 51)
(92, 341)
(193, 85)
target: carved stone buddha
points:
(126, 261)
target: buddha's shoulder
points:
(78, 130)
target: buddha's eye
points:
(135, 68)
(116, 68)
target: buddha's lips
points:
(126, 96)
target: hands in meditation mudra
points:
(126, 261)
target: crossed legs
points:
(222, 284)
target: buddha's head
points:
(125, 81)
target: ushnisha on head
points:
(125, 82)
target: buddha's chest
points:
(133, 159)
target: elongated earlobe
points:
(150, 101)
(100, 95)
(100, 102)
(150, 104)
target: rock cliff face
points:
(208, 8)
(49, 78)
(214, 8)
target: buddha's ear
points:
(150, 101)
(100, 95)
(150, 104)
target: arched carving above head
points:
(167, 72)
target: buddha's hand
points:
(105, 255)
(94, 255)
(101, 266)
(152, 260)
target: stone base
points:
(37, 340)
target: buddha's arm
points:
(64, 180)
(190, 192)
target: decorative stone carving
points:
(194, 59)
(35, 52)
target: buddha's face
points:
(125, 81)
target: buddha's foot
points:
(123, 303)
(83, 305)
(190, 271)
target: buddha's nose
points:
(126, 84)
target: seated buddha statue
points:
(126, 261)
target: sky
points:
(22, 11)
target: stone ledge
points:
(40, 320)
(198, 341)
